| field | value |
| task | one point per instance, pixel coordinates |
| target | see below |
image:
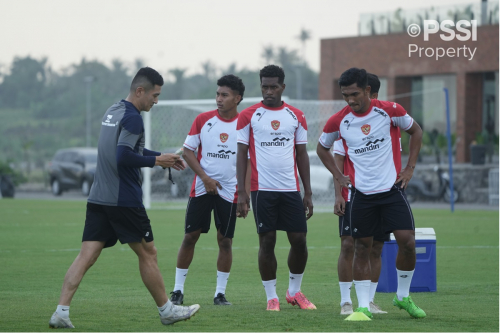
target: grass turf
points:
(40, 239)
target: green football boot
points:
(410, 307)
(365, 311)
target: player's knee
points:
(225, 244)
(347, 252)
(151, 252)
(299, 244)
(267, 244)
(190, 239)
(407, 246)
(362, 249)
(347, 246)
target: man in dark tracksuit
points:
(114, 209)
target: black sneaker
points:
(221, 300)
(177, 297)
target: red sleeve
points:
(245, 117)
(199, 121)
(393, 109)
(301, 117)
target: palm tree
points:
(178, 73)
(268, 54)
(304, 36)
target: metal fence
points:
(168, 124)
(493, 187)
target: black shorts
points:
(391, 209)
(346, 230)
(278, 211)
(110, 223)
(199, 211)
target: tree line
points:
(43, 110)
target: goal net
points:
(168, 123)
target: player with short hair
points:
(369, 133)
(341, 209)
(213, 134)
(275, 134)
(114, 209)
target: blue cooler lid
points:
(422, 234)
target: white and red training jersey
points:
(371, 142)
(215, 139)
(271, 134)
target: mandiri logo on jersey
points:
(275, 124)
(365, 129)
(223, 137)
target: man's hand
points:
(167, 160)
(211, 186)
(308, 205)
(339, 208)
(344, 181)
(179, 165)
(243, 204)
(404, 176)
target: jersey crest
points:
(223, 137)
(275, 124)
(366, 129)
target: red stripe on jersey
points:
(333, 123)
(254, 179)
(200, 120)
(193, 186)
(298, 113)
(295, 168)
(246, 116)
(348, 170)
(396, 151)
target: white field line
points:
(478, 247)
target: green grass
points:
(40, 239)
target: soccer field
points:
(40, 239)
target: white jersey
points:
(215, 139)
(371, 142)
(271, 134)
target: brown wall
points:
(387, 56)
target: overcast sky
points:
(168, 34)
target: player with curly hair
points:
(275, 134)
(213, 135)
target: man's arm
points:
(211, 185)
(327, 158)
(339, 207)
(248, 178)
(304, 170)
(241, 174)
(125, 156)
(415, 143)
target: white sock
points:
(166, 308)
(404, 281)
(221, 283)
(180, 279)
(373, 289)
(345, 292)
(294, 283)
(363, 293)
(63, 311)
(270, 287)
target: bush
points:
(16, 176)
